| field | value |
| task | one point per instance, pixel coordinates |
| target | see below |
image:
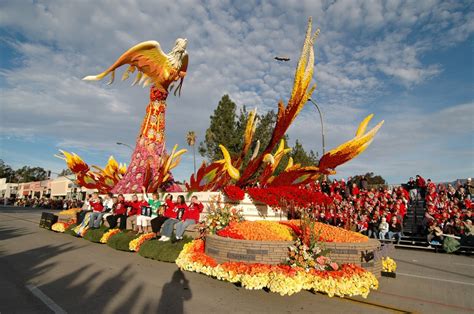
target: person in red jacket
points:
(134, 208)
(180, 208)
(167, 211)
(119, 212)
(190, 217)
(97, 208)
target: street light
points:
(322, 123)
(119, 143)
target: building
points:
(66, 187)
(8, 190)
(35, 189)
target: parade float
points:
(282, 256)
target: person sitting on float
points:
(97, 211)
(166, 211)
(119, 212)
(134, 208)
(190, 217)
(180, 208)
(149, 210)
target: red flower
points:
(234, 192)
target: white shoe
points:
(164, 238)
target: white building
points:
(66, 187)
(8, 190)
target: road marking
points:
(471, 265)
(425, 301)
(45, 299)
(437, 279)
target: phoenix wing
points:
(152, 63)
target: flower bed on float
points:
(288, 231)
(348, 280)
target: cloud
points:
(365, 48)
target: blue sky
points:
(408, 62)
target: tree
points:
(371, 179)
(6, 172)
(28, 174)
(222, 130)
(191, 139)
(300, 156)
(65, 172)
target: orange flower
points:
(328, 233)
(258, 230)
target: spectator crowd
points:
(380, 212)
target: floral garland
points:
(388, 265)
(282, 196)
(348, 280)
(60, 226)
(234, 192)
(106, 236)
(135, 244)
(260, 230)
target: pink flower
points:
(334, 266)
(321, 260)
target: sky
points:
(408, 62)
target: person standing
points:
(383, 228)
(411, 187)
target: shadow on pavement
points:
(92, 287)
(174, 294)
(8, 232)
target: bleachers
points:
(412, 233)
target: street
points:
(43, 271)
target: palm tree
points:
(191, 139)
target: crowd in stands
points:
(376, 212)
(142, 213)
(380, 212)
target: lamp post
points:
(322, 123)
(123, 144)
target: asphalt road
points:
(43, 272)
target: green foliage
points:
(372, 179)
(94, 235)
(65, 172)
(69, 230)
(222, 130)
(6, 172)
(23, 174)
(163, 251)
(300, 156)
(121, 240)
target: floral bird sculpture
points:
(150, 165)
